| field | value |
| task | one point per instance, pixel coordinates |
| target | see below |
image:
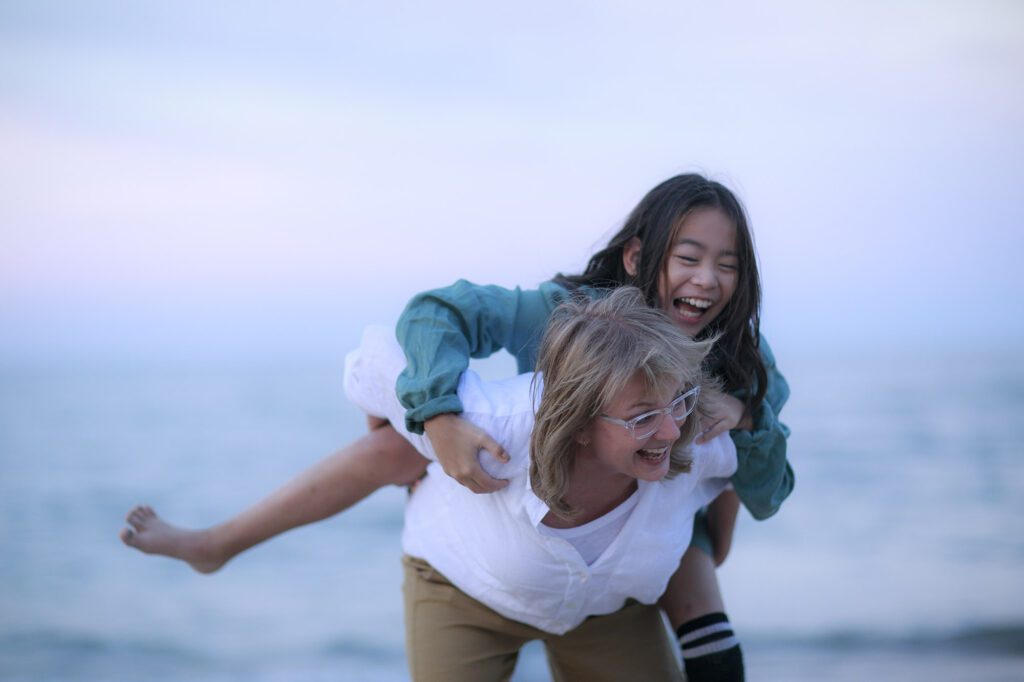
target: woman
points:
(578, 547)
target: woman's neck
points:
(593, 492)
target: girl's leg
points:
(693, 602)
(332, 485)
(693, 591)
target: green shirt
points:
(440, 330)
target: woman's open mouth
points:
(653, 456)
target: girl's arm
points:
(764, 478)
(440, 330)
(370, 374)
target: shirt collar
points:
(534, 507)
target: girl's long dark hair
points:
(736, 358)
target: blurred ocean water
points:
(899, 556)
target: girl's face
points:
(613, 448)
(701, 269)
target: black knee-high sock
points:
(711, 652)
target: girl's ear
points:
(631, 256)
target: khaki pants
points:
(451, 637)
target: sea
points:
(899, 555)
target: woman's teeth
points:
(652, 454)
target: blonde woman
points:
(603, 487)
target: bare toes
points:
(127, 536)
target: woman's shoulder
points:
(505, 410)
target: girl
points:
(601, 492)
(687, 246)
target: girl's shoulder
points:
(777, 391)
(560, 288)
(767, 356)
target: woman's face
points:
(701, 269)
(612, 446)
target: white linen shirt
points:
(491, 547)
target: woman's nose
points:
(668, 430)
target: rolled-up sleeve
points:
(764, 477)
(440, 330)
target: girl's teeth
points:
(697, 302)
(691, 308)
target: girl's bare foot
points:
(148, 533)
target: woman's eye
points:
(645, 419)
(729, 266)
(689, 260)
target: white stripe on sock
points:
(711, 647)
(704, 631)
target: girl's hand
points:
(458, 443)
(721, 412)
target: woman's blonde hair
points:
(590, 351)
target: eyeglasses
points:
(647, 424)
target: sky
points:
(195, 178)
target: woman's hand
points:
(721, 412)
(458, 443)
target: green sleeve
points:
(764, 478)
(440, 330)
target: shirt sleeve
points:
(370, 372)
(764, 478)
(440, 330)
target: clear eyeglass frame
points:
(647, 424)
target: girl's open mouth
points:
(691, 308)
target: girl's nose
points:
(704, 276)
